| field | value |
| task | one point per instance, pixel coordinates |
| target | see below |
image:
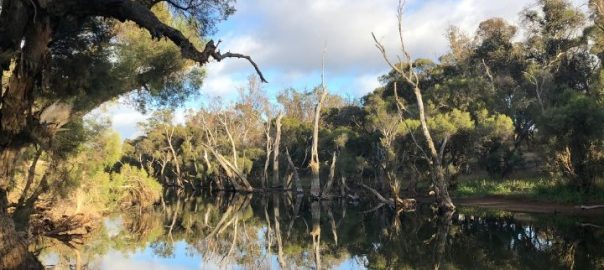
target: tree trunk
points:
(30, 176)
(276, 146)
(315, 209)
(342, 185)
(14, 253)
(17, 99)
(295, 212)
(233, 173)
(443, 224)
(277, 224)
(162, 171)
(438, 178)
(332, 174)
(174, 156)
(232, 141)
(332, 223)
(294, 171)
(268, 149)
(315, 185)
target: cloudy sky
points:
(286, 38)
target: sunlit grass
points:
(531, 188)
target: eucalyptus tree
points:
(407, 71)
(62, 58)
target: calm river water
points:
(278, 231)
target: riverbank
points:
(536, 188)
(536, 195)
(517, 204)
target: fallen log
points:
(398, 203)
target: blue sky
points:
(286, 39)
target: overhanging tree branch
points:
(141, 15)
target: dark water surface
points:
(278, 231)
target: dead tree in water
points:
(395, 202)
(268, 149)
(316, 232)
(315, 185)
(315, 165)
(332, 173)
(276, 145)
(294, 171)
(408, 72)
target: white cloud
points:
(365, 84)
(287, 37)
(124, 119)
(219, 83)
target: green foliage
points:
(536, 188)
(495, 127)
(450, 123)
(132, 185)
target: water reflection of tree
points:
(276, 231)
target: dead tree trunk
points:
(409, 74)
(294, 171)
(343, 186)
(268, 149)
(233, 173)
(315, 184)
(169, 136)
(332, 174)
(232, 141)
(295, 212)
(276, 145)
(315, 209)
(277, 224)
(443, 198)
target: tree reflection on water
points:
(285, 231)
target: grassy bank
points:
(529, 188)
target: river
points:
(284, 231)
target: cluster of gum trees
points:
(59, 59)
(62, 58)
(493, 98)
